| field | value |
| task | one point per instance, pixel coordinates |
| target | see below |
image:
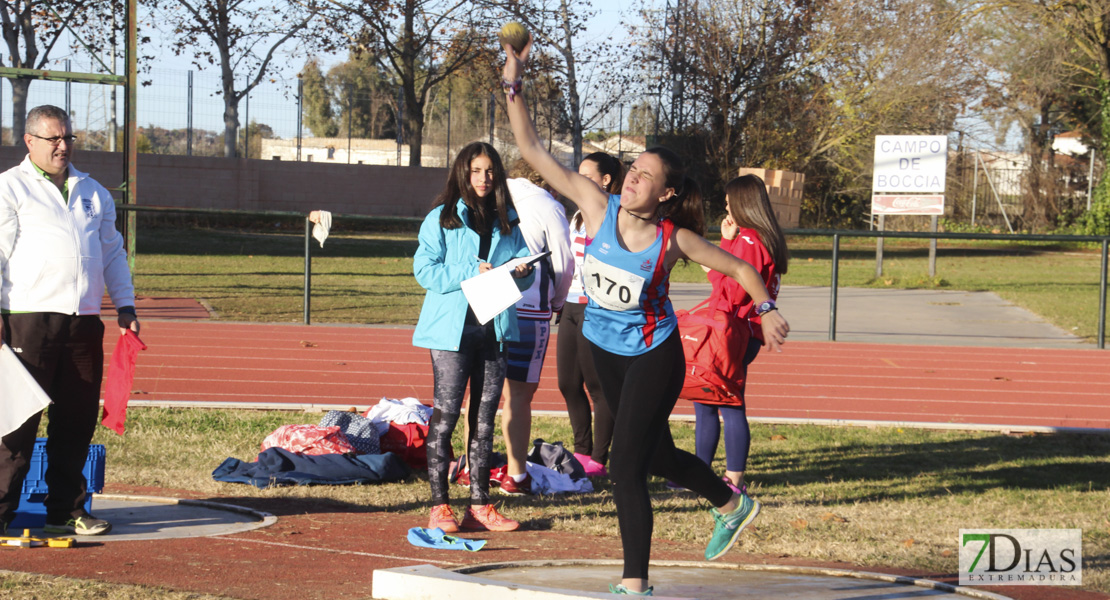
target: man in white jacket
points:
(543, 221)
(59, 249)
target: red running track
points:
(215, 362)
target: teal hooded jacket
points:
(447, 257)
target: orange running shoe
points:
(486, 518)
(443, 518)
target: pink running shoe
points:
(486, 518)
(443, 518)
(591, 466)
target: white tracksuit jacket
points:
(57, 257)
(543, 221)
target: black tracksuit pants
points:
(65, 355)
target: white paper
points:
(490, 293)
(20, 395)
(512, 264)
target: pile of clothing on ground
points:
(554, 470)
(385, 444)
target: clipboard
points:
(527, 260)
(491, 293)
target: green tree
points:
(319, 115)
(365, 98)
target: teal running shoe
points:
(620, 589)
(726, 528)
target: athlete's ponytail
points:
(685, 208)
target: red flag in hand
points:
(121, 373)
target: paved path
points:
(917, 317)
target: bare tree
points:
(725, 64)
(590, 70)
(31, 30)
(1032, 85)
(806, 85)
(887, 67)
(418, 42)
(244, 36)
(1085, 25)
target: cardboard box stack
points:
(785, 191)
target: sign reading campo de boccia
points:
(909, 174)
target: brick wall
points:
(242, 184)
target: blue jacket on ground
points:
(447, 257)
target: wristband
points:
(512, 88)
(128, 310)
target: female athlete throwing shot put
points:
(634, 239)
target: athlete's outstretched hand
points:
(515, 61)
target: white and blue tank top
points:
(629, 311)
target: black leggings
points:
(641, 391)
(481, 362)
(576, 368)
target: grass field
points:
(869, 496)
(367, 278)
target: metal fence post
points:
(1090, 178)
(350, 109)
(300, 113)
(1102, 298)
(189, 118)
(247, 127)
(933, 248)
(307, 271)
(401, 124)
(879, 248)
(833, 286)
(975, 188)
(69, 88)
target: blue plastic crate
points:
(32, 512)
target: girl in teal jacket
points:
(472, 229)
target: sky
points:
(164, 102)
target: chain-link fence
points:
(1006, 191)
(181, 112)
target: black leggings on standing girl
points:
(641, 392)
(480, 362)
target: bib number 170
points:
(611, 287)
(623, 292)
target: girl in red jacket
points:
(749, 231)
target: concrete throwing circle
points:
(682, 579)
(154, 518)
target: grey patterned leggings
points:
(481, 362)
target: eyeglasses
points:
(54, 141)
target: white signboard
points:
(907, 204)
(910, 163)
